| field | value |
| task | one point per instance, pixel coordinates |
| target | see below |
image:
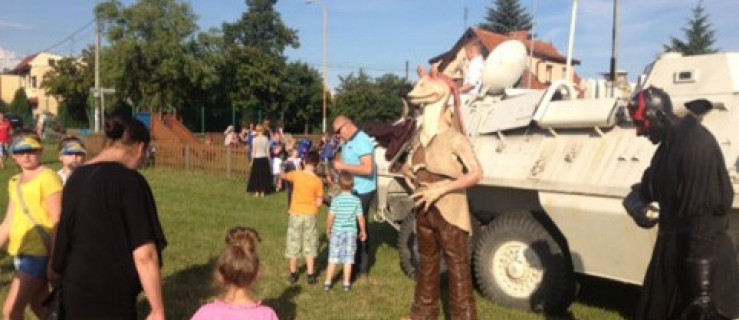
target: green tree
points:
(303, 103)
(70, 81)
(261, 27)
(150, 60)
(21, 107)
(699, 35)
(253, 70)
(505, 17)
(365, 99)
(3, 106)
(207, 90)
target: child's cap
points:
(73, 148)
(24, 144)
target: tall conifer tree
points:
(507, 16)
(699, 35)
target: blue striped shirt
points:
(345, 207)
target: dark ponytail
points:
(126, 130)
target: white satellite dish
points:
(504, 66)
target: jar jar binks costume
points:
(441, 166)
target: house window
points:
(550, 69)
(33, 82)
(52, 62)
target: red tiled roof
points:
(24, 65)
(491, 40)
(541, 49)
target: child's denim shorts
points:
(32, 266)
(342, 247)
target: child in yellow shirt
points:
(34, 208)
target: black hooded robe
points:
(689, 180)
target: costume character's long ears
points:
(458, 122)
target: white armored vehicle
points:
(556, 169)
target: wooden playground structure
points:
(176, 147)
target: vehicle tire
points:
(518, 263)
(408, 247)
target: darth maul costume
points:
(693, 270)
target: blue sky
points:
(380, 36)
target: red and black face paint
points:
(638, 112)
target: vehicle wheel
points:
(519, 264)
(408, 247)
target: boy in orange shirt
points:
(302, 229)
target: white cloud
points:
(14, 25)
(8, 59)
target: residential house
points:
(546, 64)
(29, 74)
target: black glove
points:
(638, 209)
(699, 288)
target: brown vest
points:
(437, 161)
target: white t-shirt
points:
(296, 163)
(276, 165)
(230, 139)
(474, 74)
(63, 176)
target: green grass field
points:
(196, 210)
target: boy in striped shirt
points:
(343, 216)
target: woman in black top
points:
(109, 242)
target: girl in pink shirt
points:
(236, 272)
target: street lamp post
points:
(325, 55)
(571, 42)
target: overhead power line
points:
(70, 37)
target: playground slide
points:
(160, 131)
(167, 128)
(182, 132)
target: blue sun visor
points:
(72, 148)
(24, 144)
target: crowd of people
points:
(103, 251)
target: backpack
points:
(329, 150)
(304, 146)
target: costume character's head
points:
(651, 111)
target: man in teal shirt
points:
(357, 158)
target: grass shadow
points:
(618, 297)
(321, 261)
(284, 305)
(380, 233)
(601, 293)
(7, 269)
(184, 292)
